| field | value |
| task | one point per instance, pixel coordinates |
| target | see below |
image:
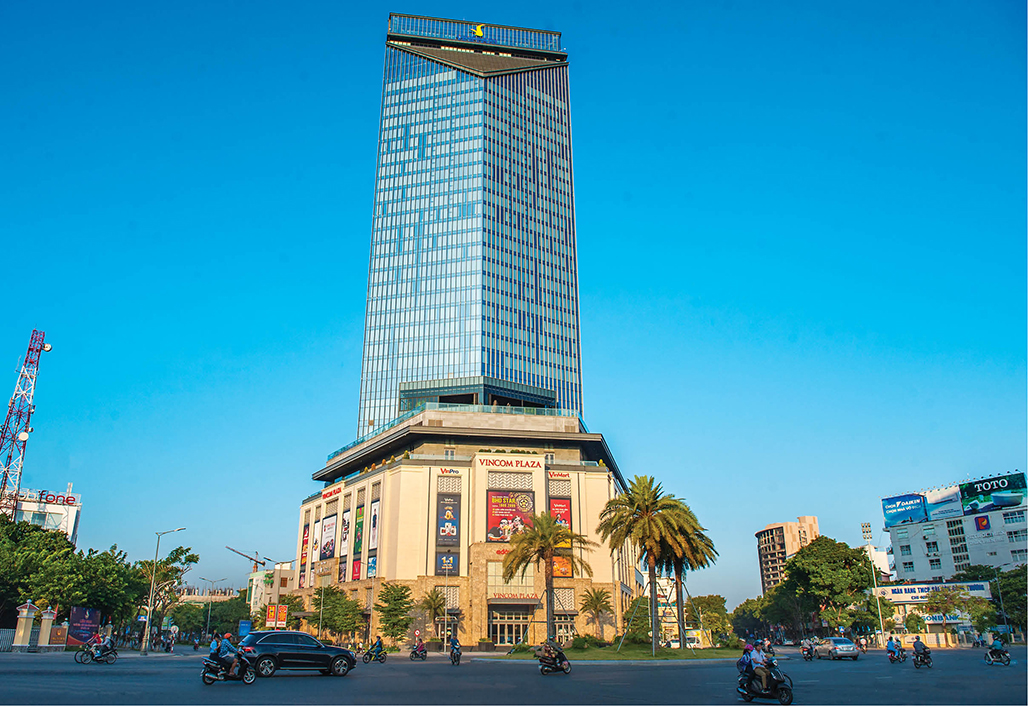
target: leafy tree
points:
(945, 600)
(637, 621)
(1011, 586)
(434, 605)
(914, 622)
(865, 614)
(645, 518)
(709, 612)
(833, 574)
(394, 607)
(540, 542)
(983, 613)
(225, 615)
(787, 604)
(694, 550)
(342, 614)
(170, 571)
(746, 618)
(190, 617)
(596, 602)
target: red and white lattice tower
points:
(16, 427)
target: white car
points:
(836, 648)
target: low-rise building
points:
(267, 586)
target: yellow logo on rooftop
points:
(478, 30)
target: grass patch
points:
(636, 652)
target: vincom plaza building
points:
(470, 413)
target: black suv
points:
(288, 649)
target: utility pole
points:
(153, 581)
(210, 590)
(865, 529)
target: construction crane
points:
(256, 558)
(16, 427)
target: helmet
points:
(228, 635)
(747, 648)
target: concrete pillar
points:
(46, 622)
(22, 633)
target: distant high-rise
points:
(777, 543)
(473, 277)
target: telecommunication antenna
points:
(16, 427)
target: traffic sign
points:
(417, 633)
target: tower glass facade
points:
(473, 269)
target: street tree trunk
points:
(654, 636)
(548, 574)
(681, 608)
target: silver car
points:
(836, 648)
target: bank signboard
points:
(919, 592)
(997, 493)
(508, 512)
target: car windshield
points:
(841, 641)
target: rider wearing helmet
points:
(228, 655)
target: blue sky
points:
(801, 245)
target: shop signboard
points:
(328, 538)
(372, 567)
(358, 532)
(919, 592)
(448, 520)
(560, 509)
(508, 512)
(83, 623)
(447, 563)
(344, 535)
(901, 509)
(997, 493)
(373, 528)
(282, 615)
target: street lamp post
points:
(153, 580)
(865, 529)
(210, 591)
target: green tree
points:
(787, 604)
(983, 613)
(645, 518)
(1010, 586)
(865, 614)
(637, 621)
(434, 605)
(540, 542)
(190, 617)
(709, 612)
(833, 574)
(394, 610)
(746, 618)
(596, 602)
(341, 615)
(225, 615)
(945, 601)
(914, 622)
(170, 571)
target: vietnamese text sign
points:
(918, 592)
(281, 615)
(448, 520)
(83, 623)
(900, 509)
(508, 512)
(446, 563)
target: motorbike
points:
(779, 684)
(370, 655)
(557, 663)
(95, 653)
(808, 653)
(899, 656)
(923, 659)
(416, 653)
(213, 671)
(455, 655)
(863, 647)
(997, 657)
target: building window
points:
(1013, 518)
(283, 582)
(904, 550)
(961, 567)
(565, 627)
(932, 547)
(519, 584)
(549, 458)
(508, 627)
(908, 567)
(902, 533)
(1019, 555)
(1017, 536)
(449, 454)
(928, 531)
(935, 564)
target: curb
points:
(629, 662)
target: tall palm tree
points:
(543, 540)
(433, 603)
(649, 520)
(597, 602)
(695, 551)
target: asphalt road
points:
(959, 677)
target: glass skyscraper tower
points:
(473, 278)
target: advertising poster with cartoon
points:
(560, 509)
(358, 532)
(508, 512)
(448, 512)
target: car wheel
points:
(266, 666)
(339, 667)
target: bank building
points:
(470, 410)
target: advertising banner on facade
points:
(901, 509)
(270, 620)
(328, 538)
(282, 615)
(315, 542)
(447, 520)
(356, 574)
(447, 563)
(560, 509)
(83, 623)
(372, 567)
(358, 532)
(301, 581)
(344, 535)
(508, 512)
(373, 526)
(943, 503)
(304, 544)
(996, 493)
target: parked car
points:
(288, 649)
(836, 648)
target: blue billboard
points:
(901, 509)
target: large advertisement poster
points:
(315, 548)
(997, 493)
(447, 563)
(344, 535)
(901, 509)
(302, 580)
(358, 532)
(372, 567)
(83, 623)
(447, 520)
(560, 509)
(282, 615)
(943, 503)
(328, 538)
(508, 512)
(373, 528)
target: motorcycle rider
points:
(376, 649)
(863, 644)
(996, 648)
(454, 643)
(891, 648)
(919, 647)
(228, 654)
(420, 647)
(760, 665)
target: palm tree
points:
(597, 602)
(433, 603)
(695, 551)
(541, 541)
(649, 520)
